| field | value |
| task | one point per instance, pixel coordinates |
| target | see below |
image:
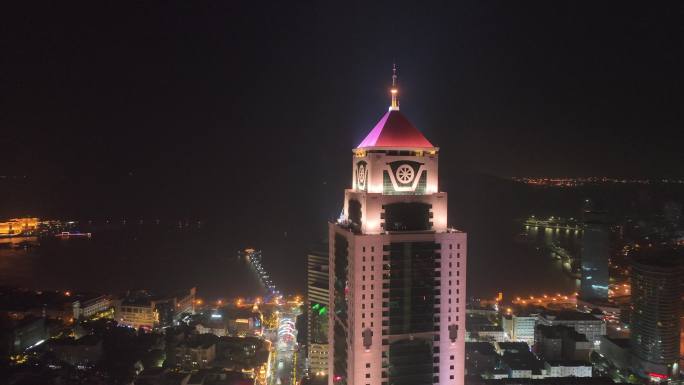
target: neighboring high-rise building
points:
(397, 271)
(317, 311)
(656, 312)
(595, 254)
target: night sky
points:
(248, 110)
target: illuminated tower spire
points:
(394, 91)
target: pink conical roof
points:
(394, 130)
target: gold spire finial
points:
(394, 91)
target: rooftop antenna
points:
(394, 91)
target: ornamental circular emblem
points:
(361, 174)
(404, 173)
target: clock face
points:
(361, 175)
(404, 174)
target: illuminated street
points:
(285, 364)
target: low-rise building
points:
(137, 313)
(545, 381)
(590, 325)
(480, 358)
(561, 343)
(520, 328)
(511, 347)
(142, 309)
(83, 351)
(195, 354)
(522, 365)
(89, 306)
(482, 326)
(568, 369)
(217, 327)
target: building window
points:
(451, 367)
(363, 296)
(364, 249)
(368, 364)
(458, 246)
(451, 246)
(451, 377)
(451, 358)
(368, 375)
(458, 255)
(363, 287)
(364, 258)
(372, 249)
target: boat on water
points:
(69, 234)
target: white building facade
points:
(520, 328)
(568, 369)
(397, 271)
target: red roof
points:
(394, 130)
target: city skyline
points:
(176, 204)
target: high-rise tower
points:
(397, 271)
(656, 313)
(595, 254)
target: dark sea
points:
(285, 224)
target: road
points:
(286, 368)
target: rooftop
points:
(568, 363)
(513, 346)
(568, 315)
(485, 348)
(396, 131)
(522, 361)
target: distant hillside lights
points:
(575, 182)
